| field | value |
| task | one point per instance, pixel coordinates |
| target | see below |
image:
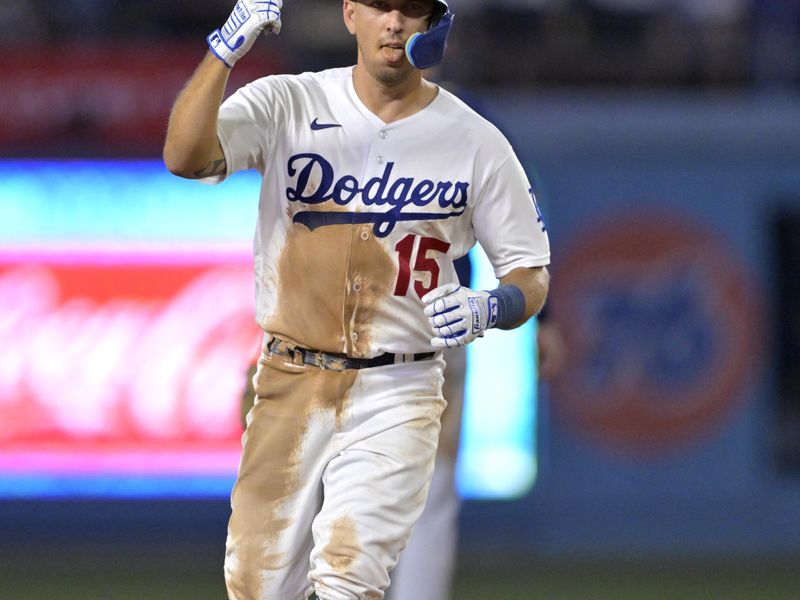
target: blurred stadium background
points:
(663, 137)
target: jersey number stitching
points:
(422, 263)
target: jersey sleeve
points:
(507, 222)
(245, 128)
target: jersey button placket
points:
(383, 134)
(358, 287)
(355, 285)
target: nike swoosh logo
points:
(316, 125)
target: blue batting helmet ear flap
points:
(426, 50)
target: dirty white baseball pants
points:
(426, 567)
(334, 472)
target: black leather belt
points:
(331, 361)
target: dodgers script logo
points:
(396, 194)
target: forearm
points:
(192, 148)
(533, 283)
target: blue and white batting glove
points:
(248, 19)
(458, 314)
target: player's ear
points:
(348, 11)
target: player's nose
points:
(395, 20)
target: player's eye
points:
(381, 6)
(417, 10)
(412, 10)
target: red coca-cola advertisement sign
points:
(108, 360)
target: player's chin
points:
(390, 75)
(394, 69)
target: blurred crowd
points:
(705, 43)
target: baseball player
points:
(373, 180)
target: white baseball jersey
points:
(358, 219)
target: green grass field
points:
(133, 581)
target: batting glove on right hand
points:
(458, 314)
(248, 19)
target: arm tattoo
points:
(215, 167)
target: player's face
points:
(381, 28)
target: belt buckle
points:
(292, 353)
(328, 362)
(276, 346)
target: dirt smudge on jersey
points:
(312, 273)
(343, 547)
(331, 282)
(287, 410)
(372, 274)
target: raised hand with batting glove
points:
(248, 19)
(460, 315)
